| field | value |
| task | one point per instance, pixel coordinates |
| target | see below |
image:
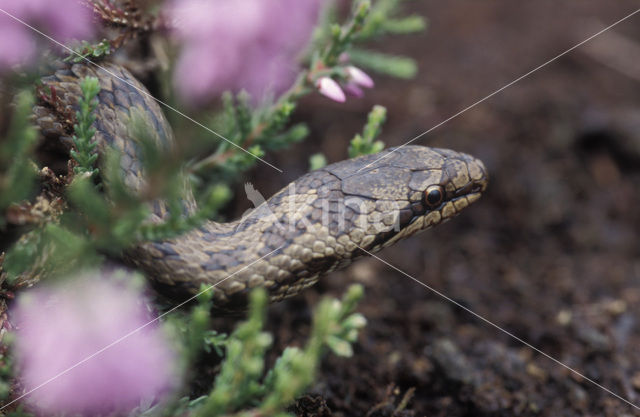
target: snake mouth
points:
(474, 187)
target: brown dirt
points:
(550, 253)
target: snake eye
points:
(434, 195)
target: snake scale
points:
(319, 223)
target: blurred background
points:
(551, 252)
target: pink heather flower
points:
(353, 90)
(235, 45)
(344, 58)
(20, 49)
(328, 87)
(62, 20)
(57, 327)
(359, 77)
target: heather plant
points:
(100, 354)
(69, 19)
(59, 228)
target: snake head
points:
(405, 190)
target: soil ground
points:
(549, 254)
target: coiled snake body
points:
(319, 223)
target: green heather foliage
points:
(366, 143)
(392, 65)
(102, 216)
(317, 161)
(267, 127)
(17, 173)
(86, 50)
(85, 153)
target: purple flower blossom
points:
(20, 49)
(353, 90)
(58, 327)
(234, 45)
(355, 79)
(359, 77)
(329, 88)
(62, 20)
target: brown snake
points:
(319, 223)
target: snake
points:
(319, 223)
